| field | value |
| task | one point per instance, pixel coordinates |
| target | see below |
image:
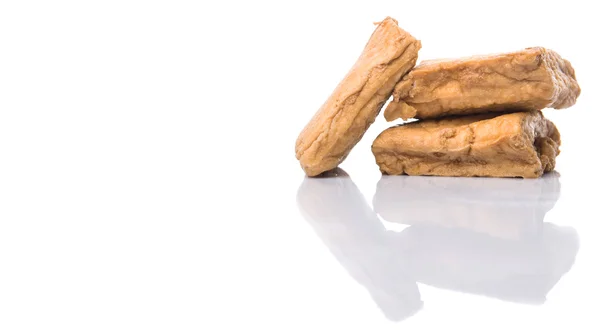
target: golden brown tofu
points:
(531, 79)
(349, 111)
(523, 144)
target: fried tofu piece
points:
(349, 111)
(523, 144)
(531, 79)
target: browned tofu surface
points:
(531, 79)
(349, 111)
(523, 144)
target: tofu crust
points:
(531, 79)
(349, 111)
(523, 144)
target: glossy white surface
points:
(477, 236)
(148, 179)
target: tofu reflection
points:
(483, 236)
(477, 235)
(345, 222)
(502, 208)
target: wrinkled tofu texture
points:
(531, 79)
(523, 144)
(349, 111)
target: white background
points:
(147, 171)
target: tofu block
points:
(522, 144)
(349, 111)
(531, 79)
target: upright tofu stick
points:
(521, 144)
(531, 79)
(342, 121)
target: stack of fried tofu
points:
(477, 116)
